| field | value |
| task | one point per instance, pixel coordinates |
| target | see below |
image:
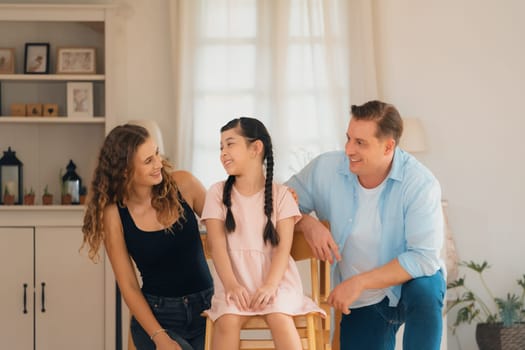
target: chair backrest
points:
(319, 270)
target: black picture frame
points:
(36, 58)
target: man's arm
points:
(319, 238)
(344, 294)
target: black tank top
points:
(172, 264)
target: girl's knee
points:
(279, 320)
(228, 323)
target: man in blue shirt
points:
(384, 209)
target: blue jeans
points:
(374, 327)
(181, 317)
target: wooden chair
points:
(313, 330)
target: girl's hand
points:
(264, 296)
(239, 296)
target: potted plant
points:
(500, 322)
(9, 198)
(29, 197)
(47, 197)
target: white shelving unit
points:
(46, 144)
(43, 241)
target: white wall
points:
(143, 79)
(459, 66)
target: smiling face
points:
(370, 157)
(147, 164)
(236, 152)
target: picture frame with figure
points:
(76, 60)
(36, 58)
(79, 99)
(7, 60)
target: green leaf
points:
(476, 267)
(460, 282)
(509, 309)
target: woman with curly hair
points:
(143, 213)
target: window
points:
(283, 62)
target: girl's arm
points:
(127, 280)
(218, 246)
(191, 189)
(280, 260)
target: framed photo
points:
(79, 99)
(7, 61)
(36, 60)
(76, 60)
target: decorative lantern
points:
(71, 183)
(11, 179)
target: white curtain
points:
(296, 65)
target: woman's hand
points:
(264, 296)
(239, 296)
(164, 342)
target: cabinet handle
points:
(43, 297)
(25, 298)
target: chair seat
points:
(258, 322)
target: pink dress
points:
(250, 257)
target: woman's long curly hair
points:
(252, 130)
(112, 184)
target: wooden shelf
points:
(52, 77)
(52, 120)
(54, 207)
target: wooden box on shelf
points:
(18, 110)
(34, 109)
(50, 110)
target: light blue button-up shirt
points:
(409, 210)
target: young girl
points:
(250, 222)
(141, 211)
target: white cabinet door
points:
(70, 306)
(16, 276)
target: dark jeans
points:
(181, 317)
(374, 327)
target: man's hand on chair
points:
(319, 238)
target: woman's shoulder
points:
(189, 187)
(111, 210)
(182, 177)
(111, 217)
(185, 181)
